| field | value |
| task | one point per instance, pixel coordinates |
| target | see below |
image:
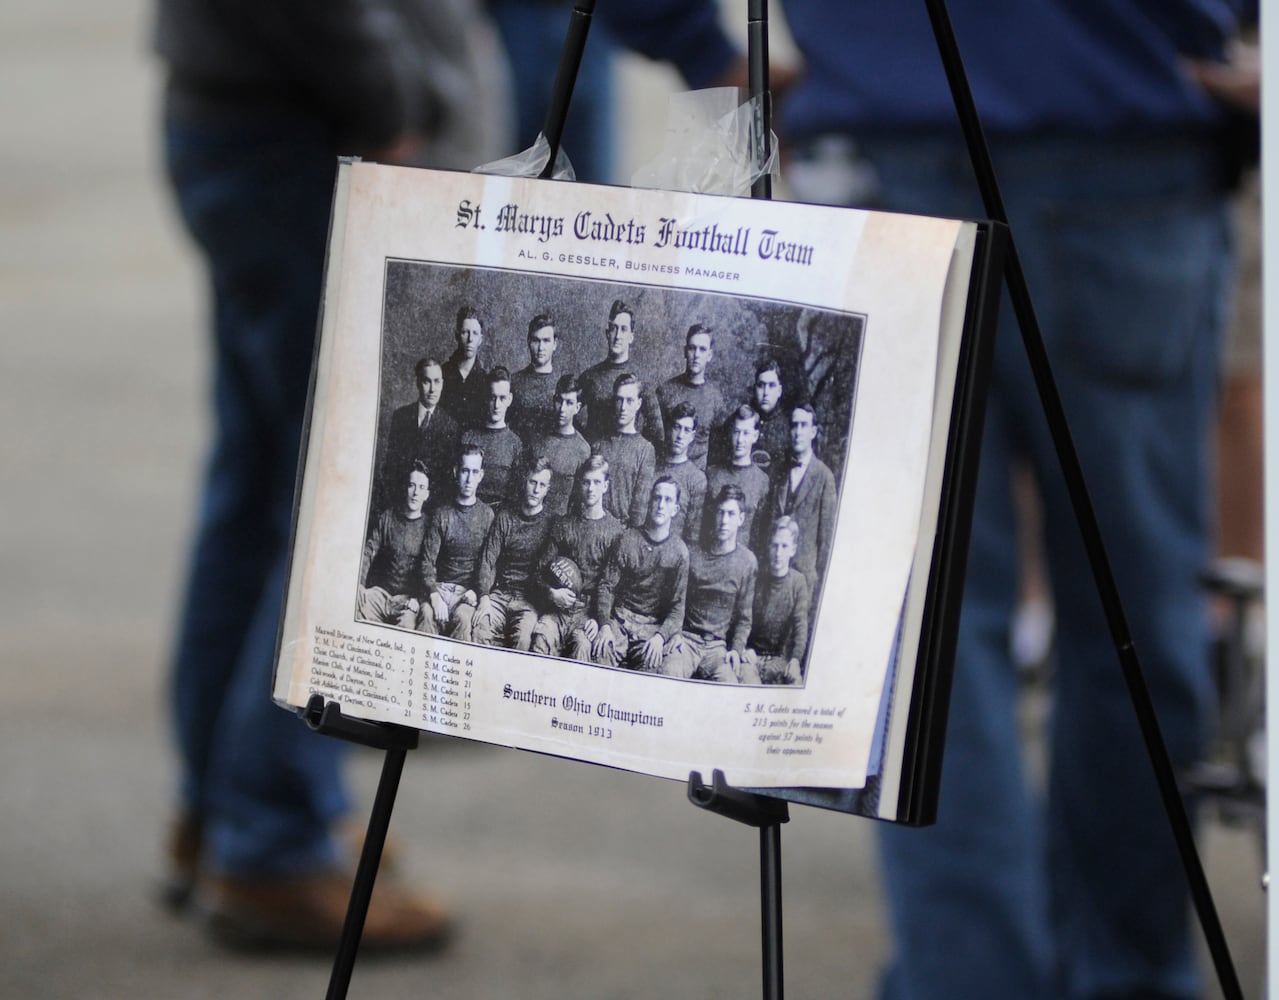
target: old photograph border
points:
(817, 351)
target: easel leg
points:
(770, 897)
(770, 833)
(326, 718)
(768, 815)
(366, 873)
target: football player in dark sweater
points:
(740, 470)
(681, 431)
(631, 459)
(505, 615)
(502, 447)
(576, 551)
(532, 412)
(779, 628)
(451, 552)
(390, 567)
(562, 446)
(693, 387)
(720, 601)
(464, 376)
(599, 381)
(640, 600)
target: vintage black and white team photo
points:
(627, 475)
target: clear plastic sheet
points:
(530, 163)
(713, 145)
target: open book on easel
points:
(666, 482)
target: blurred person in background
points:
(1240, 517)
(260, 100)
(1115, 168)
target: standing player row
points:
(508, 414)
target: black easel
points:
(768, 812)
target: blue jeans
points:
(1075, 891)
(255, 196)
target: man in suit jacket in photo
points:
(419, 432)
(804, 489)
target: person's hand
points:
(654, 647)
(592, 628)
(562, 597)
(602, 643)
(470, 598)
(735, 663)
(404, 150)
(1236, 82)
(439, 608)
(793, 674)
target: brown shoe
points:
(184, 848)
(185, 855)
(307, 914)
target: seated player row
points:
(586, 586)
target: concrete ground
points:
(570, 881)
